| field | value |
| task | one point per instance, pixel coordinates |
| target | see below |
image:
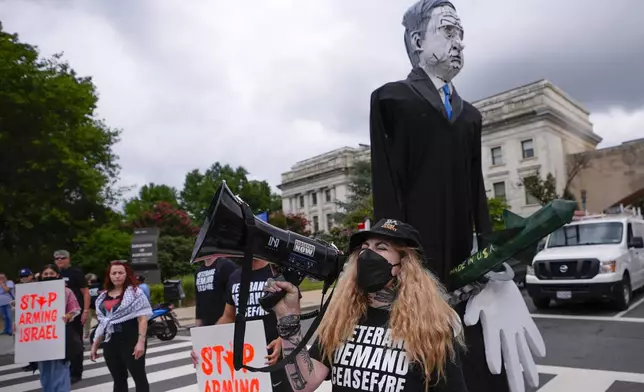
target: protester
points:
(26, 276)
(211, 282)
(7, 295)
(75, 281)
(260, 273)
(123, 311)
(144, 286)
(54, 374)
(94, 288)
(387, 326)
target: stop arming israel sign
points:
(40, 328)
(213, 346)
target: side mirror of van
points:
(541, 246)
(636, 242)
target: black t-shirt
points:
(94, 291)
(371, 361)
(211, 285)
(254, 311)
(75, 281)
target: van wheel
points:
(623, 294)
(541, 303)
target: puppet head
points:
(433, 37)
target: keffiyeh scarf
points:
(133, 304)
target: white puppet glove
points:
(508, 329)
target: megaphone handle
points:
(269, 300)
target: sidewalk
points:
(6, 345)
(310, 301)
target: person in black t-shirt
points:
(211, 283)
(75, 281)
(261, 273)
(386, 329)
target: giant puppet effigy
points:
(426, 168)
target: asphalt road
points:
(590, 348)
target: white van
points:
(598, 257)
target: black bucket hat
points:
(391, 229)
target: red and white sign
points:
(214, 348)
(40, 328)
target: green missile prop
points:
(519, 235)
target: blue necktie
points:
(448, 104)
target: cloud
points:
(266, 84)
(617, 125)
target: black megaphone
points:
(225, 233)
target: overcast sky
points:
(263, 86)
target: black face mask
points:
(374, 271)
(49, 278)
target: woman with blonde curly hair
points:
(387, 327)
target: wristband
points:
(289, 326)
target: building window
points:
(301, 201)
(316, 224)
(497, 156)
(529, 198)
(314, 198)
(327, 195)
(528, 148)
(329, 222)
(499, 190)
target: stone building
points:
(527, 130)
(313, 185)
(610, 176)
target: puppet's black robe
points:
(426, 171)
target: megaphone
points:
(225, 233)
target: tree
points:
(148, 196)
(57, 167)
(199, 189)
(359, 204)
(174, 256)
(296, 223)
(103, 245)
(495, 207)
(545, 190)
(171, 221)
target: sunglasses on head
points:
(60, 258)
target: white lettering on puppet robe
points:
(371, 361)
(253, 308)
(205, 280)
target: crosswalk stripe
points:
(161, 375)
(169, 369)
(151, 343)
(88, 362)
(104, 370)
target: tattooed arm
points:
(304, 373)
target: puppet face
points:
(441, 51)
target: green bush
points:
(188, 284)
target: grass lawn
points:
(309, 285)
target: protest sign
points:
(213, 346)
(40, 328)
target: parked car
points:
(597, 257)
